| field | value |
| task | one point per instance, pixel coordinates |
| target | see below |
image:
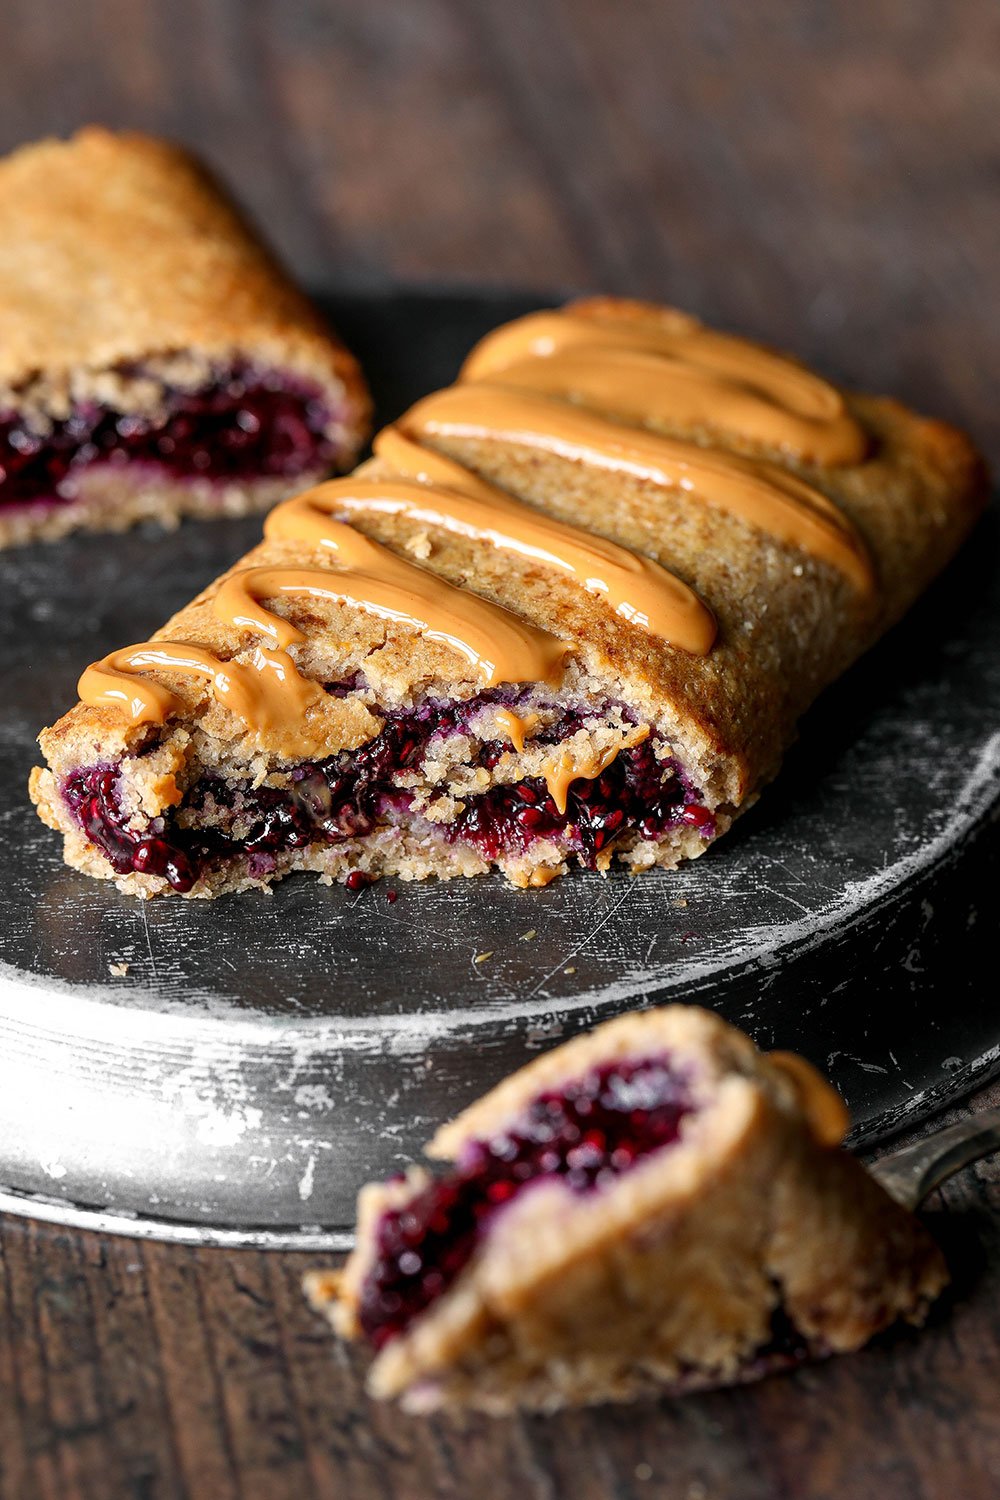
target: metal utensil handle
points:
(910, 1174)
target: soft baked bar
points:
(155, 361)
(560, 617)
(653, 1207)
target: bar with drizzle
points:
(533, 383)
(526, 764)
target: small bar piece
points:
(570, 612)
(656, 1207)
(155, 361)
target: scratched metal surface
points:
(260, 1057)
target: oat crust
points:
(668, 1279)
(120, 251)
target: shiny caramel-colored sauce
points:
(499, 645)
(766, 497)
(436, 491)
(669, 369)
(560, 773)
(517, 727)
(265, 692)
(533, 383)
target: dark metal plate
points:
(262, 1056)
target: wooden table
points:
(822, 174)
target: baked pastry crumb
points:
(155, 361)
(654, 1207)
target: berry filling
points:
(586, 1134)
(244, 423)
(349, 794)
(631, 796)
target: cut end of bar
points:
(514, 779)
(648, 1208)
(243, 429)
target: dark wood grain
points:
(823, 174)
(144, 1370)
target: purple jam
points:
(585, 1134)
(92, 797)
(630, 796)
(347, 795)
(247, 423)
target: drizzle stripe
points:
(498, 644)
(439, 492)
(262, 692)
(768, 498)
(676, 372)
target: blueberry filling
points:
(349, 794)
(629, 797)
(92, 797)
(244, 423)
(586, 1134)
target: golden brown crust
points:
(120, 251)
(116, 247)
(674, 1275)
(788, 623)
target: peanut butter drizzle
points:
(560, 774)
(444, 493)
(671, 370)
(516, 728)
(822, 1106)
(765, 496)
(265, 692)
(666, 369)
(499, 645)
